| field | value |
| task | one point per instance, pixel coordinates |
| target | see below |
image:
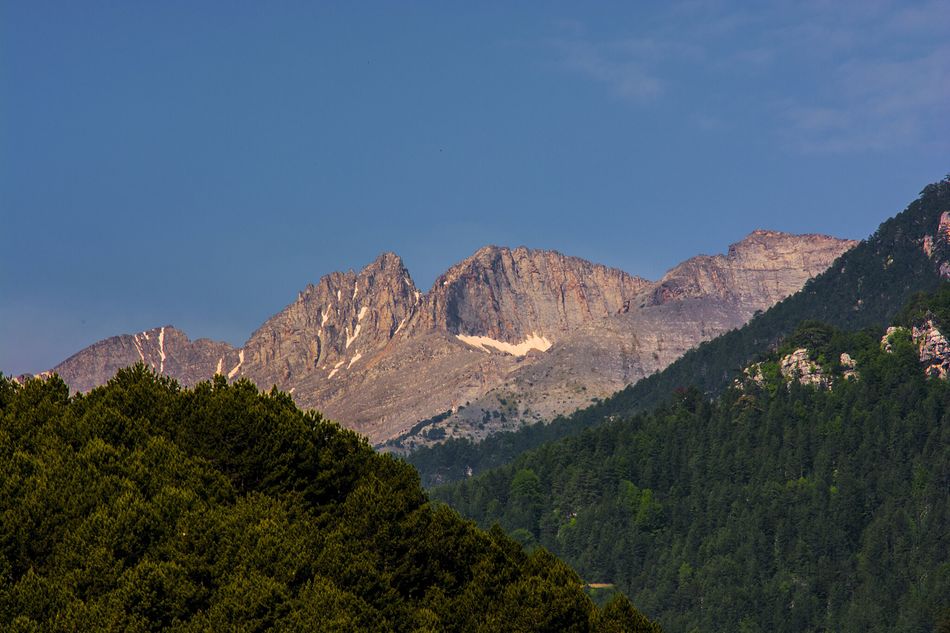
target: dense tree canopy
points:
(143, 506)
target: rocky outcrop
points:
(755, 273)
(934, 349)
(504, 337)
(936, 246)
(798, 366)
(848, 366)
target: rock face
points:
(513, 295)
(504, 337)
(934, 349)
(756, 273)
(333, 325)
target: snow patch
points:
(515, 349)
(220, 368)
(356, 288)
(138, 347)
(161, 349)
(336, 368)
(350, 339)
(338, 293)
(362, 313)
(233, 372)
(399, 327)
(354, 359)
(418, 295)
(324, 316)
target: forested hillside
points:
(143, 506)
(776, 507)
(865, 287)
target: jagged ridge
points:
(372, 350)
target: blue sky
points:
(197, 163)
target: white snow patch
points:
(292, 389)
(418, 294)
(145, 334)
(220, 368)
(138, 347)
(336, 368)
(233, 372)
(354, 359)
(399, 327)
(350, 339)
(356, 288)
(324, 316)
(517, 349)
(338, 293)
(362, 313)
(161, 349)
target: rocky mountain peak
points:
(165, 349)
(335, 323)
(512, 295)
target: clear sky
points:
(197, 163)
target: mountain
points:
(694, 302)
(506, 336)
(143, 506)
(167, 349)
(908, 253)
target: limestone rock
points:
(797, 366)
(934, 349)
(887, 341)
(937, 246)
(849, 365)
(756, 273)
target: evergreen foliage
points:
(143, 506)
(776, 507)
(865, 287)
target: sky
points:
(198, 163)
